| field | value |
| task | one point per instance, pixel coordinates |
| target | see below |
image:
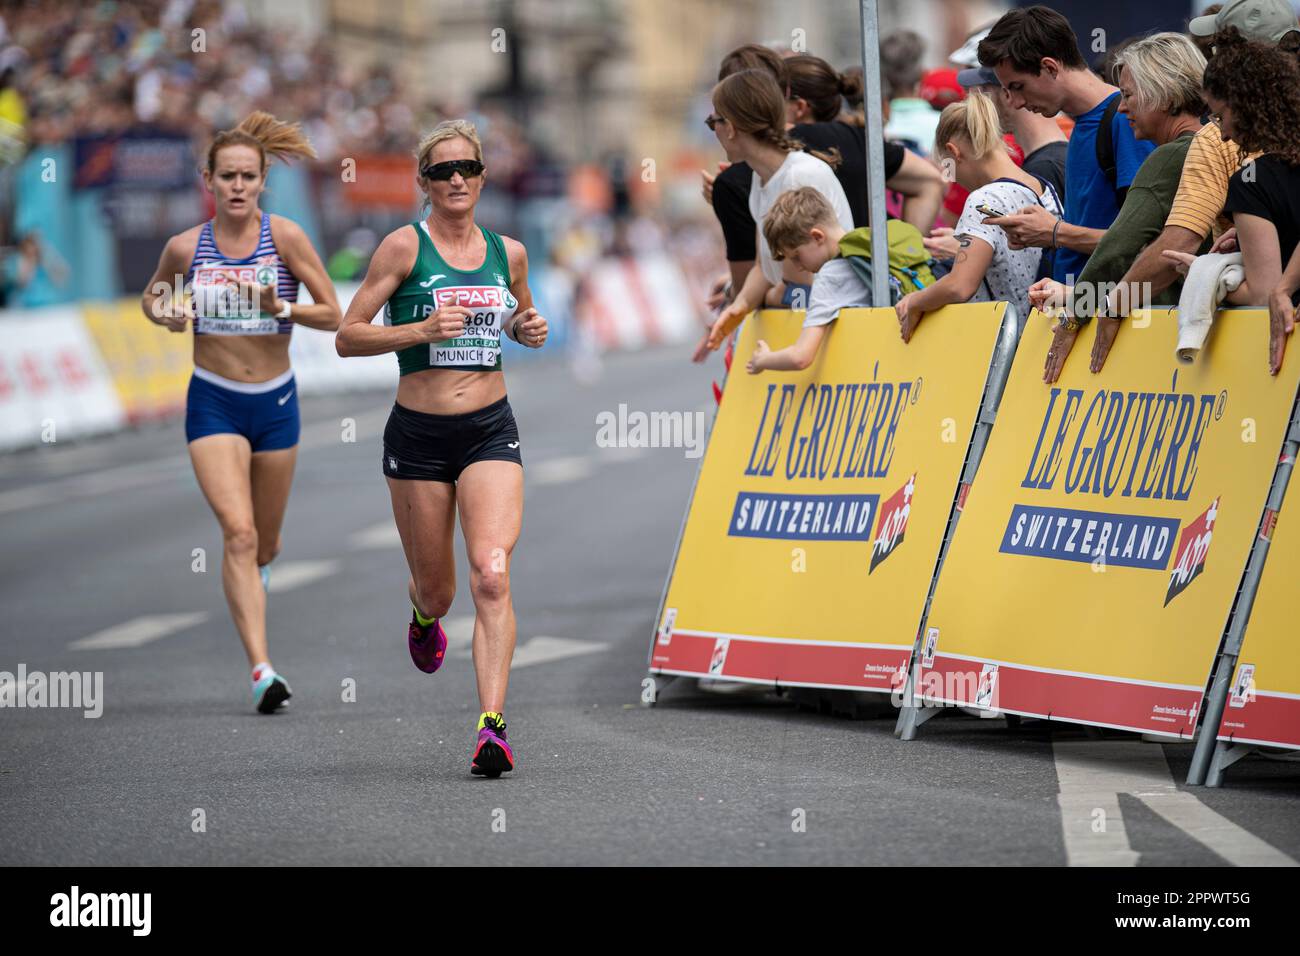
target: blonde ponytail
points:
(974, 120)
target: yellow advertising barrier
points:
(150, 366)
(823, 497)
(1106, 533)
(1263, 706)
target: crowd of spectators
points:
(1165, 174)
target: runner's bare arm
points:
(526, 326)
(390, 265)
(158, 302)
(301, 257)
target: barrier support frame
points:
(661, 680)
(910, 716)
(1212, 756)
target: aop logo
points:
(1193, 546)
(892, 523)
(719, 656)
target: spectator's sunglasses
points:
(468, 168)
(712, 121)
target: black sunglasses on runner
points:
(468, 168)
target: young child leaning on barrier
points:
(802, 225)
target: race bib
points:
(480, 343)
(219, 307)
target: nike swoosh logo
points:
(513, 444)
(281, 401)
(431, 280)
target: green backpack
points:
(911, 267)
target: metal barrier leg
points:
(910, 716)
(653, 685)
(1226, 661)
(1225, 755)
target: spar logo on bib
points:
(474, 297)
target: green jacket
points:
(1140, 220)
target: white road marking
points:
(287, 575)
(140, 474)
(617, 455)
(1090, 780)
(379, 537)
(90, 484)
(545, 650)
(138, 631)
(1238, 846)
(536, 650)
(1092, 774)
(558, 471)
(459, 631)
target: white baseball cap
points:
(968, 55)
(1256, 19)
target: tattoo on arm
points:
(964, 242)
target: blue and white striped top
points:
(214, 280)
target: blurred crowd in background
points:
(83, 81)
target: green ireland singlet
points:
(433, 284)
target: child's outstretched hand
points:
(755, 363)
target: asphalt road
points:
(97, 574)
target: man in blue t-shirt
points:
(1036, 56)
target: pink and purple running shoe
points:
(427, 643)
(492, 755)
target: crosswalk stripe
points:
(379, 537)
(557, 471)
(294, 574)
(1092, 774)
(138, 631)
(545, 650)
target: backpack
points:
(911, 267)
(1106, 143)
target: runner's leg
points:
(491, 500)
(222, 464)
(425, 513)
(272, 477)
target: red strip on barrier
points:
(1142, 708)
(793, 663)
(1268, 719)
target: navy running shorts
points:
(266, 413)
(424, 447)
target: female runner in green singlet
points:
(449, 290)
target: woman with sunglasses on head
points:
(450, 289)
(243, 268)
(749, 123)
